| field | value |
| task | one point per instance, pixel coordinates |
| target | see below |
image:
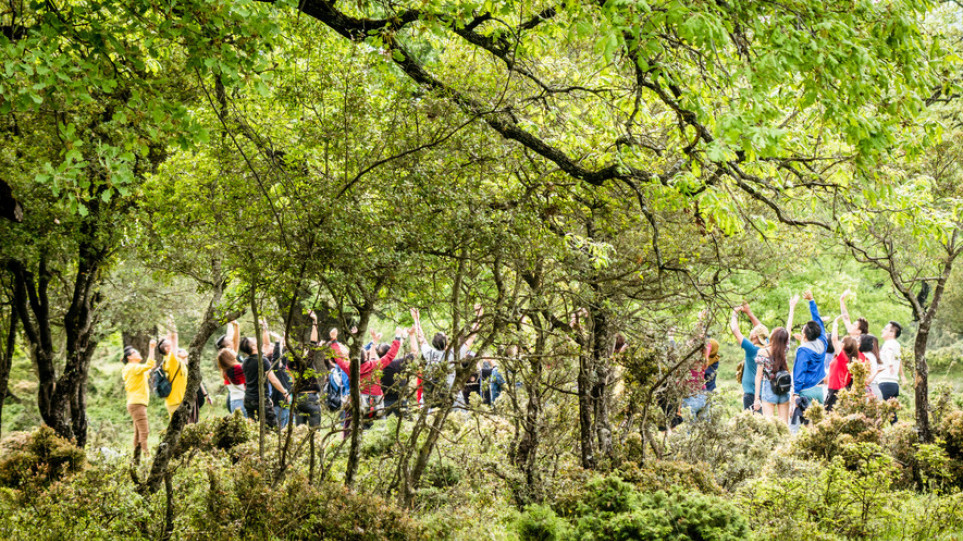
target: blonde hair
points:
(760, 331)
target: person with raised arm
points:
(839, 374)
(809, 369)
(230, 367)
(135, 374)
(175, 369)
(310, 379)
(771, 360)
(372, 396)
(252, 375)
(861, 326)
(757, 339)
(438, 359)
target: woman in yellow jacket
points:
(175, 369)
(135, 374)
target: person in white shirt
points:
(440, 358)
(891, 367)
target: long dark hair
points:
(778, 342)
(440, 341)
(868, 343)
(850, 348)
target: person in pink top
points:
(372, 396)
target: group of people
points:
(302, 387)
(820, 369)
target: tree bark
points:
(354, 451)
(6, 362)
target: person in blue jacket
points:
(809, 369)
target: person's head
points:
(131, 355)
(892, 330)
(620, 343)
(778, 343)
(712, 351)
(811, 331)
(851, 348)
(247, 346)
(381, 350)
(163, 347)
(224, 342)
(759, 334)
(226, 359)
(440, 341)
(869, 344)
(182, 354)
(862, 325)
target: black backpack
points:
(161, 383)
(781, 382)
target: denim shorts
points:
(766, 394)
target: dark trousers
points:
(394, 406)
(831, 398)
(269, 416)
(307, 410)
(889, 390)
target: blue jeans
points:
(236, 405)
(695, 403)
(283, 414)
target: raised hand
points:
(808, 295)
(333, 334)
(793, 300)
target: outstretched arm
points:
(416, 316)
(752, 317)
(734, 324)
(837, 343)
(792, 311)
(843, 311)
(173, 336)
(237, 336)
(314, 326)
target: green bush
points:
(611, 509)
(40, 457)
(540, 523)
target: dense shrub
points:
(611, 508)
(225, 433)
(846, 498)
(667, 475)
(734, 450)
(38, 457)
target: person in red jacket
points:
(839, 376)
(372, 396)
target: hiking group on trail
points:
(300, 388)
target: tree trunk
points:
(353, 454)
(526, 454)
(586, 410)
(601, 359)
(922, 384)
(6, 362)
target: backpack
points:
(781, 382)
(161, 383)
(336, 388)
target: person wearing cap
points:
(135, 374)
(758, 337)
